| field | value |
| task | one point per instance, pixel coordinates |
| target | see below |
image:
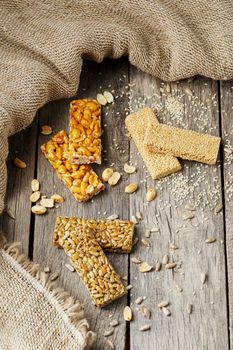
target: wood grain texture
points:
(226, 93)
(108, 202)
(22, 145)
(203, 328)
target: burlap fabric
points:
(43, 44)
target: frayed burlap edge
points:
(70, 309)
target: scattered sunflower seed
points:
(35, 196)
(189, 308)
(131, 188)
(139, 300)
(139, 215)
(101, 99)
(144, 328)
(113, 217)
(210, 240)
(190, 207)
(158, 266)
(38, 209)
(145, 267)
(10, 213)
(129, 169)
(145, 311)
(136, 260)
(19, 163)
(108, 96)
(163, 303)
(218, 208)
(114, 323)
(108, 332)
(188, 216)
(129, 287)
(165, 259)
(173, 246)
(70, 267)
(114, 179)
(170, 265)
(57, 198)
(46, 130)
(134, 220)
(47, 269)
(127, 313)
(54, 276)
(145, 242)
(35, 185)
(203, 277)
(47, 202)
(151, 194)
(166, 311)
(110, 344)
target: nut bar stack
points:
(112, 235)
(85, 132)
(158, 165)
(81, 180)
(89, 260)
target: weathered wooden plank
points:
(226, 90)
(95, 78)
(206, 327)
(23, 145)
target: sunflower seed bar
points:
(113, 235)
(85, 132)
(158, 165)
(186, 144)
(81, 180)
(89, 260)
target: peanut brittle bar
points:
(186, 144)
(158, 165)
(89, 260)
(81, 180)
(112, 235)
(85, 132)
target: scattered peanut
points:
(38, 210)
(131, 188)
(57, 198)
(113, 180)
(108, 96)
(35, 185)
(151, 194)
(129, 169)
(46, 130)
(19, 163)
(101, 99)
(127, 313)
(35, 196)
(47, 202)
(107, 173)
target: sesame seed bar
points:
(89, 260)
(158, 165)
(186, 144)
(81, 180)
(113, 235)
(85, 132)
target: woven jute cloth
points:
(42, 47)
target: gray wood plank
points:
(206, 327)
(226, 90)
(23, 145)
(107, 76)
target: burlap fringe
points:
(70, 306)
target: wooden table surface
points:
(200, 104)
